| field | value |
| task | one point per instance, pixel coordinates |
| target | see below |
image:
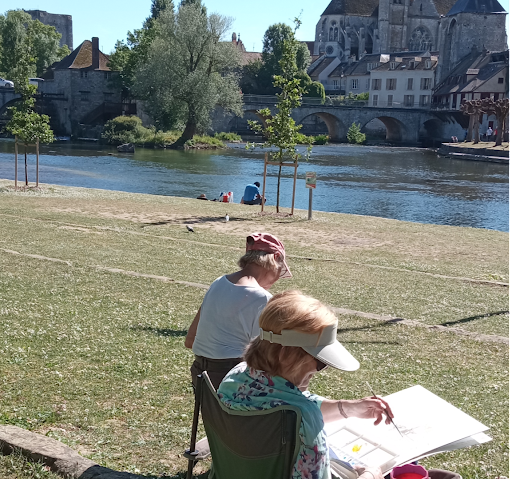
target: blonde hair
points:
(287, 310)
(260, 258)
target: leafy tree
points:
(280, 130)
(26, 124)
(316, 90)
(128, 56)
(354, 134)
(189, 71)
(16, 44)
(27, 41)
(258, 76)
(250, 81)
(45, 44)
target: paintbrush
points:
(385, 412)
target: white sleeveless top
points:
(228, 319)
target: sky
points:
(111, 19)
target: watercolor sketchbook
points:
(427, 423)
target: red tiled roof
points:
(81, 58)
(249, 57)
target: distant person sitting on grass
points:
(252, 194)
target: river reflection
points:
(402, 183)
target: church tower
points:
(393, 25)
(470, 24)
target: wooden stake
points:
(37, 163)
(264, 180)
(294, 183)
(15, 163)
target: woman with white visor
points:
(298, 339)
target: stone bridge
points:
(403, 125)
(7, 98)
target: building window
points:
(375, 100)
(83, 74)
(355, 84)
(84, 96)
(376, 83)
(425, 84)
(428, 64)
(424, 100)
(391, 84)
(410, 83)
(409, 100)
(500, 80)
(393, 65)
(335, 85)
(107, 75)
(371, 66)
(390, 100)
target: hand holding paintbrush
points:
(386, 411)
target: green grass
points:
(96, 359)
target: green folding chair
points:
(244, 444)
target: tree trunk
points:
(476, 128)
(278, 187)
(469, 135)
(188, 132)
(499, 131)
(26, 168)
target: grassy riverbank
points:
(97, 290)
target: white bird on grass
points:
(190, 228)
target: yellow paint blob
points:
(356, 448)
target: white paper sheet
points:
(427, 422)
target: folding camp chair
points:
(245, 444)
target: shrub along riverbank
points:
(129, 129)
(91, 331)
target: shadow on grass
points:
(193, 221)
(160, 331)
(473, 318)
(382, 324)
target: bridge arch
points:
(335, 127)
(4, 108)
(396, 130)
(431, 132)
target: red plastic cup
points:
(409, 471)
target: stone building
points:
(350, 29)
(405, 81)
(78, 93)
(469, 24)
(479, 75)
(62, 23)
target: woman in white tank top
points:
(228, 317)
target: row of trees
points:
(27, 46)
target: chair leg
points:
(191, 453)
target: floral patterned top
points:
(247, 389)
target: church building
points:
(349, 29)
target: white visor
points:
(323, 345)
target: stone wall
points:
(62, 23)
(460, 32)
(74, 96)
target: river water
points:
(402, 183)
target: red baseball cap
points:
(270, 244)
